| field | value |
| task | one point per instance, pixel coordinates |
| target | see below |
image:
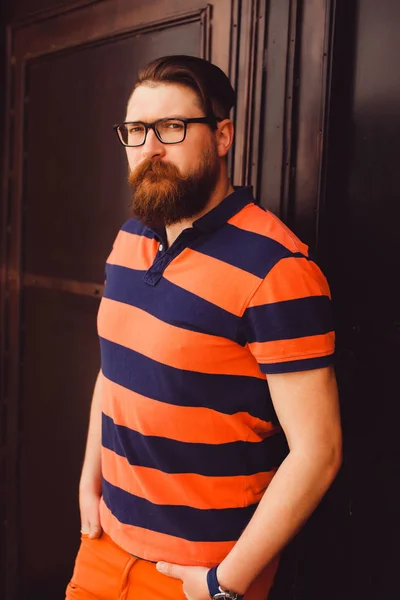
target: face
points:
(171, 182)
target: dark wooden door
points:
(72, 75)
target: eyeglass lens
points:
(170, 131)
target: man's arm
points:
(307, 407)
(90, 483)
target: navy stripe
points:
(224, 211)
(294, 366)
(135, 226)
(169, 303)
(288, 320)
(227, 394)
(212, 525)
(249, 251)
(213, 460)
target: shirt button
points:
(160, 248)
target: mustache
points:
(157, 168)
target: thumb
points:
(95, 531)
(175, 571)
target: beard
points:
(162, 196)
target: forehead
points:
(151, 102)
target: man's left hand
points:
(194, 579)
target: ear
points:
(224, 135)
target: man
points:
(214, 428)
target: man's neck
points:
(223, 189)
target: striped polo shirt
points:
(188, 336)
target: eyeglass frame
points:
(209, 120)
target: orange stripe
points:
(252, 218)
(297, 349)
(214, 280)
(176, 347)
(155, 546)
(290, 279)
(133, 251)
(180, 423)
(196, 491)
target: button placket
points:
(162, 260)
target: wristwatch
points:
(215, 590)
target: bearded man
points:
(214, 429)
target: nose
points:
(152, 146)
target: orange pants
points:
(103, 571)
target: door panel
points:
(76, 198)
(60, 363)
(76, 172)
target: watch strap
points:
(214, 588)
(212, 582)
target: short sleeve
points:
(288, 323)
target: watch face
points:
(225, 596)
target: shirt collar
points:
(225, 210)
(218, 216)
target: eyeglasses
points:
(168, 131)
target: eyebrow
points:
(160, 118)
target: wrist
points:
(229, 581)
(217, 590)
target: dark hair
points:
(208, 81)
